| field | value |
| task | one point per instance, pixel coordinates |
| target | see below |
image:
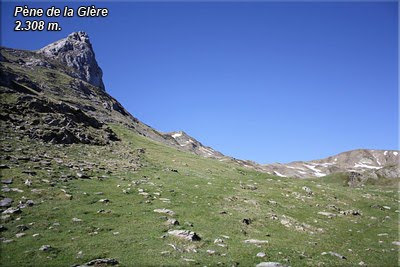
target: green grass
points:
(200, 190)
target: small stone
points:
(211, 252)
(79, 255)
(45, 248)
(328, 214)
(307, 189)
(270, 264)
(256, 241)
(185, 234)
(7, 181)
(104, 200)
(102, 262)
(20, 235)
(166, 211)
(172, 222)
(30, 203)
(6, 202)
(261, 254)
(334, 254)
(82, 175)
(12, 211)
(76, 220)
(17, 190)
(22, 227)
(247, 221)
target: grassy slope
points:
(200, 190)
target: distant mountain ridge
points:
(368, 161)
(66, 74)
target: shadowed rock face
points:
(76, 51)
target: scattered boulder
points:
(247, 221)
(256, 241)
(351, 212)
(82, 175)
(308, 190)
(12, 210)
(101, 262)
(165, 211)
(334, 254)
(7, 181)
(172, 222)
(270, 264)
(20, 235)
(45, 248)
(261, 254)
(210, 252)
(6, 202)
(185, 234)
(22, 227)
(328, 214)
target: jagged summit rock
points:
(76, 51)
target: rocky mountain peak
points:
(76, 52)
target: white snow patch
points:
(362, 165)
(175, 135)
(395, 153)
(385, 153)
(317, 172)
(279, 174)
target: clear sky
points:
(270, 82)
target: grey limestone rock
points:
(76, 52)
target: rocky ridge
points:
(76, 51)
(366, 162)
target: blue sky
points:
(270, 82)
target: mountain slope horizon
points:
(76, 52)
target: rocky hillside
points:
(63, 75)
